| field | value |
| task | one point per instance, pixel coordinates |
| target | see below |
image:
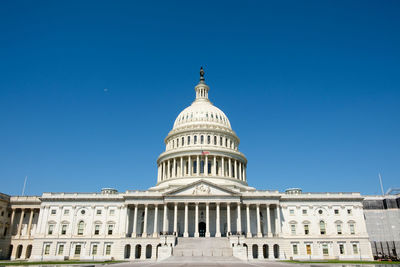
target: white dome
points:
(199, 112)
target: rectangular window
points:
(306, 229)
(98, 212)
(352, 230)
(47, 249)
(339, 229)
(66, 212)
(64, 229)
(60, 249)
(110, 229)
(291, 212)
(295, 250)
(94, 250)
(304, 212)
(108, 249)
(97, 229)
(341, 249)
(53, 212)
(336, 212)
(325, 250)
(349, 211)
(308, 249)
(51, 228)
(77, 249)
(293, 229)
(355, 249)
(112, 212)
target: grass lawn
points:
(344, 261)
(54, 262)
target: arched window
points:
(81, 226)
(220, 140)
(215, 140)
(226, 142)
(352, 227)
(173, 143)
(195, 166)
(208, 139)
(195, 139)
(188, 141)
(322, 227)
(183, 141)
(177, 142)
(201, 139)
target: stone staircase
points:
(200, 247)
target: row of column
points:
(191, 166)
(21, 218)
(218, 224)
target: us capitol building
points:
(201, 205)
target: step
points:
(202, 247)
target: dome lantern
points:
(202, 88)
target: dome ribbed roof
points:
(202, 111)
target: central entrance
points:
(202, 229)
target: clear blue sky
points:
(311, 88)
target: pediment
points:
(201, 188)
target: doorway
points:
(202, 229)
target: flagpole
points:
(380, 180)
(23, 189)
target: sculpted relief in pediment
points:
(201, 189)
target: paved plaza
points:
(229, 262)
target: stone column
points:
(20, 222)
(240, 176)
(236, 169)
(196, 226)
(134, 234)
(158, 173)
(244, 172)
(145, 221)
(198, 166)
(207, 219)
(279, 219)
(190, 166)
(218, 226)
(248, 220)
(228, 219)
(176, 218)
(186, 233)
(230, 168)
(163, 171)
(182, 169)
(174, 169)
(269, 222)
(239, 220)
(128, 213)
(206, 166)
(259, 234)
(222, 167)
(165, 221)
(28, 233)
(155, 232)
(12, 222)
(169, 169)
(215, 166)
